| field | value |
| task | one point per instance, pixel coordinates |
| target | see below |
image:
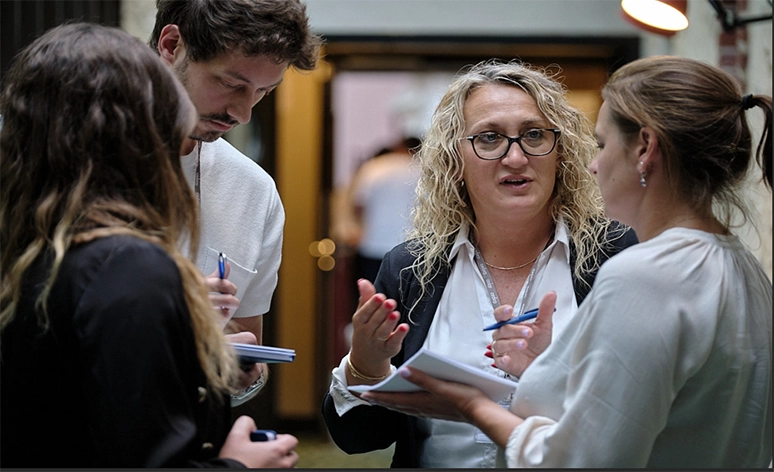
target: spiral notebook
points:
(266, 354)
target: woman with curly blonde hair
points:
(112, 355)
(506, 210)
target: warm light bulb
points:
(656, 14)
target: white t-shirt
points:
(667, 364)
(385, 191)
(243, 217)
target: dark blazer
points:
(368, 428)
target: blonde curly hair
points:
(443, 205)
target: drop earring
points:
(643, 184)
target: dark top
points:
(115, 381)
(367, 428)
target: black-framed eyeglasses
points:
(491, 146)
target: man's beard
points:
(203, 134)
(206, 136)
(211, 135)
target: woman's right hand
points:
(275, 454)
(376, 334)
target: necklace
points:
(510, 268)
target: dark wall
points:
(21, 21)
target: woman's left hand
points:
(514, 347)
(440, 399)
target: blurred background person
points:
(378, 205)
(112, 355)
(381, 197)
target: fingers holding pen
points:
(514, 347)
(222, 292)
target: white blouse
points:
(668, 364)
(457, 332)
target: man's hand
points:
(247, 377)
(222, 293)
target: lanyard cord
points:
(490, 286)
(489, 281)
(198, 178)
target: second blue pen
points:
(221, 265)
(527, 315)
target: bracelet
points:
(251, 391)
(360, 376)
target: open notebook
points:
(496, 388)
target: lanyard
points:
(197, 180)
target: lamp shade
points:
(664, 17)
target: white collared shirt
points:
(457, 332)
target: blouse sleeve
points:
(602, 391)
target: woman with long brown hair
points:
(111, 353)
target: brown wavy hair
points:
(276, 28)
(92, 129)
(698, 113)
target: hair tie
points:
(747, 102)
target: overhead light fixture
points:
(667, 17)
(664, 17)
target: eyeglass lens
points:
(535, 142)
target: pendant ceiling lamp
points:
(664, 17)
(667, 17)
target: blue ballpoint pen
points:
(221, 265)
(527, 315)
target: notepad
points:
(267, 354)
(444, 368)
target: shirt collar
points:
(561, 236)
(461, 241)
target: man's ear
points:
(170, 44)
